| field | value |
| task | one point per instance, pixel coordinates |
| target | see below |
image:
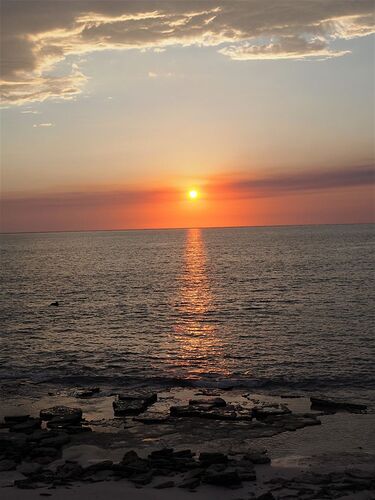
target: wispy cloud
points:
(295, 182)
(278, 184)
(42, 125)
(126, 207)
(30, 112)
(38, 35)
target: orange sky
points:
(216, 205)
(112, 112)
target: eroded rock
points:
(61, 414)
(213, 402)
(332, 405)
(202, 411)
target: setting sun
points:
(193, 194)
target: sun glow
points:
(193, 194)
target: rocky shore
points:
(179, 440)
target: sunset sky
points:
(113, 111)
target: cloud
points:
(304, 181)
(148, 207)
(153, 74)
(30, 112)
(278, 184)
(293, 47)
(42, 125)
(39, 88)
(37, 35)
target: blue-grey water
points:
(276, 307)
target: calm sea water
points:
(288, 307)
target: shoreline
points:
(287, 428)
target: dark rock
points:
(131, 465)
(29, 468)
(201, 411)
(99, 466)
(62, 414)
(224, 478)
(220, 467)
(39, 435)
(25, 484)
(101, 475)
(141, 395)
(13, 441)
(266, 496)
(212, 458)
(246, 475)
(263, 412)
(44, 460)
(129, 457)
(291, 421)
(333, 405)
(6, 465)
(76, 429)
(213, 402)
(152, 417)
(56, 441)
(166, 484)
(69, 470)
(44, 451)
(163, 453)
(142, 479)
(55, 303)
(87, 393)
(134, 402)
(190, 484)
(257, 457)
(16, 419)
(197, 472)
(183, 454)
(27, 427)
(128, 407)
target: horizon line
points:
(184, 228)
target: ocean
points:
(272, 308)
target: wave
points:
(282, 383)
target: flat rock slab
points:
(142, 395)
(152, 417)
(201, 411)
(225, 478)
(207, 458)
(56, 441)
(262, 412)
(133, 403)
(129, 407)
(16, 419)
(213, 402)
(27, 426)
(62, 414)
(332, 405)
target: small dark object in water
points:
(56, 304)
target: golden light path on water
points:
(200, 346)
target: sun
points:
(193, 194)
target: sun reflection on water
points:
(195, 330)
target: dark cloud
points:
(310, 180)
(37, 35)
(264, 187)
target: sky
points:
(112, 111)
